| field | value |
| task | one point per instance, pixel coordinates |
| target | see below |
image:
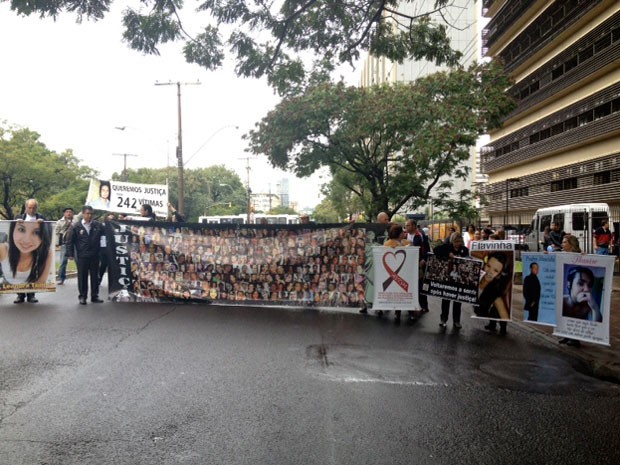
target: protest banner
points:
(495, 288)
(27, 258)
(583, 290)
(126, 197)
(452, 279)
(539, 283)
(395, 278)
(243, 264)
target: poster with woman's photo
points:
(495, 286)
(583, 287)
(27, 262)
(539, 278)
(126, 197)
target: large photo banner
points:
(395, 278)
(452, 279)
(27, 256)
(495, 286)
(539, 285)
(583, 287)
(246, 264)
(127, 197)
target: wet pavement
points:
(190, 384)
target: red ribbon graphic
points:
(394, 273)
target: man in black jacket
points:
(531, 292)
(84, 242)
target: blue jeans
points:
(602, 251)
(62, 270)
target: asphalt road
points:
(185, 384)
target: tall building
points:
(561, 144)
(283, 192)
(461, 17)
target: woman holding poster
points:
(493, 287)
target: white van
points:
(579, 219)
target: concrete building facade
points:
(561, 144)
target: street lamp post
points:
(508, 181)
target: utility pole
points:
(181, 206)
(249, 191)
(125, 155)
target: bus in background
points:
(580, 220)
(258, 218)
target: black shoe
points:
(502, 331)
(490, 327)
(397, 315)
(443, 324)
(364, 311)
(573, 343)
(380, 313)
(32, 300)
(82, 300)
(19, 300)
(96, 300)
(564, 340)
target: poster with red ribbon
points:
(396, 278)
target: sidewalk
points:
(604, 362)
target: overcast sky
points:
(76, 83)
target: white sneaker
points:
(443, 324)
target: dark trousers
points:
(88, 268)
(422, 298)
(532, 313)
(103, 263)
(502, 325)
(445, 310)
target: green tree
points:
(270, 38)
(281, 210)
(215, 190)
(325, 212)
(28, 169)
(398, 141)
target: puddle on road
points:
(359, 364)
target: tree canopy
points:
(392, 144)
(274, 39)
(28, 169)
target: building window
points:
(564, 185)
(602, 178)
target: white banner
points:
(127, 197)
(583, 290)
(395, 278)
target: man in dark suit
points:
(531, 293)
(84, 243)
(31, 213)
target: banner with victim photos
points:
(27, 256)
(395, 278)
(251, 264)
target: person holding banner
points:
(29, 252)
(492, 287)
(396, 239)
(84, 242)
(28, 255)
(454, 248)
